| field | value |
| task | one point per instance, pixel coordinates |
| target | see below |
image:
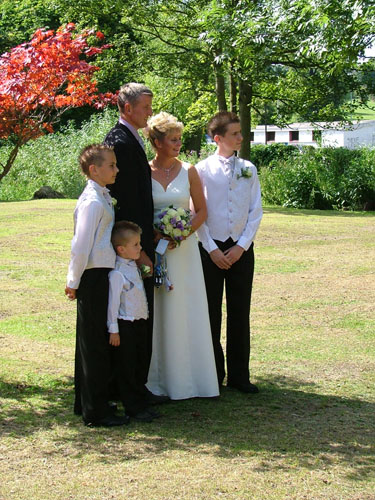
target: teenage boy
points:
(127, 322)
(233, 198)
(92, 258)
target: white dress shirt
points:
(91, 243)
(127, 297)
(234, 206)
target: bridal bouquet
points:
(175, 223)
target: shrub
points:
(53, 160)
(321, 178)
(267, 155)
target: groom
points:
(234, 212)
(132, 188)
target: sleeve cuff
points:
(112, 327)
(244, 243)
(210, 246)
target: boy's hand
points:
(114, 339)
(234, 253)
(70, 293)
(220, 259)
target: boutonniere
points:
(145, 271)
(246, 173)
(114, 202)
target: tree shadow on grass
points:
(281, 422)
(316, 212)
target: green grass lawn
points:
(308, 435)
(366, 113)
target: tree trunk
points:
(245, 98)
(233, 90)
(11, 159)
(220, 87)
(194, 142)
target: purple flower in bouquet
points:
(175, 223)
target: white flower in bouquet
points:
(175, 223)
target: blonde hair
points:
(160, 125)
(93, 154)
(122, 231)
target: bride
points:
(182, 363)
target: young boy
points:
(127, 322)
(232, 193)
(92, 257)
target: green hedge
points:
(322, 178)
(53, 160)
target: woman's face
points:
(170, 145)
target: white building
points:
(361, 133)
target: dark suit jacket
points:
(132, 189)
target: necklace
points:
(166, 170)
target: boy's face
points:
(231, 140)
(131, 249)
(107, 171)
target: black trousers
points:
(129, 364)
(92, 359)
(149, 289)
(238, 285)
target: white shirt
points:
(127, 297)
(234, 206)
(93, 222)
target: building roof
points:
(318, 126)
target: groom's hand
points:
(220, 259)
(234, 253)
(144, 259)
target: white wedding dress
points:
(183, 363)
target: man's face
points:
(232, 139)
(139, 112)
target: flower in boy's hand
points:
(145, 271)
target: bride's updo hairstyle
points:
(160, 125)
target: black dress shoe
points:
(153, 413)
(154, 399)
(110, 421)
(112, 407)
(143, 416)
(246, 388)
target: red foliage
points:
(44, 77)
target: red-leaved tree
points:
(41, 79)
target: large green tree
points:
(273, 60)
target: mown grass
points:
(309, 434)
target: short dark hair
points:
(218, 125)
(131, 92)
(122, 231)
(93, 154)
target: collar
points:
(126, 262)
(225, 160)
(98, 187)
(133, 130)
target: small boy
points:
(234, 212)
(127, 322)
(92, 257)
